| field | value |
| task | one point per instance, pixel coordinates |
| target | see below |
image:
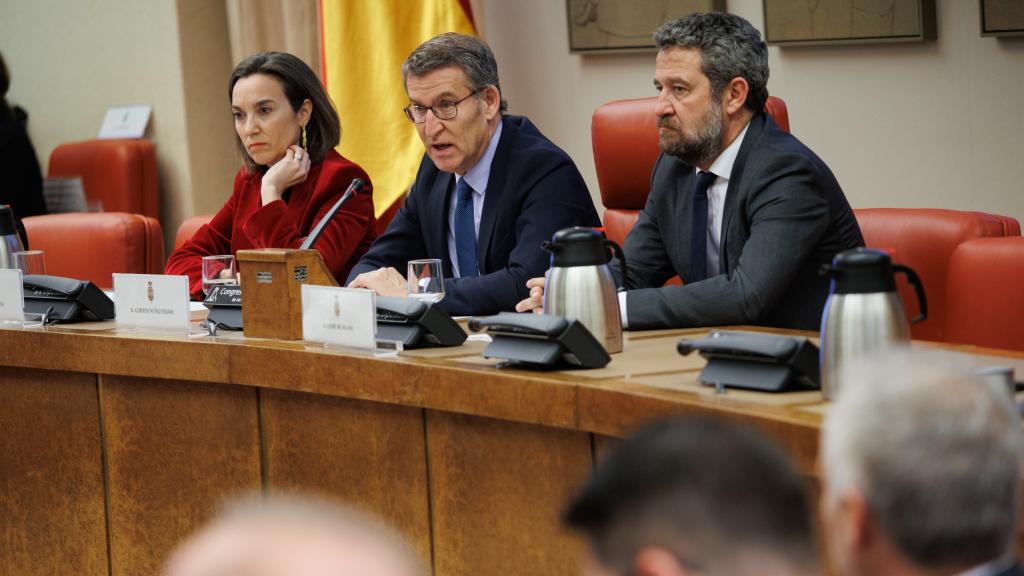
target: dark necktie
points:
(465, 230)
(699, 231)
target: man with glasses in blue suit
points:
(491, 188)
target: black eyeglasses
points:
(443, 110)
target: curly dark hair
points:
(730, 47)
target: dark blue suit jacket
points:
(533, 191)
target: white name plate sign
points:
(125, 122)
(12, 299)
(339, 316)
(151, 301)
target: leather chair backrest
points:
(119, 173)
(1005, 225)
(93, 246)
(189, 227)
(384, 219)
(924, 239)
(624, 134)
(986, 293)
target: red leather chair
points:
(1008, 225)
(119, 173)
(384, 219)
(92, 246)
(924, 239)
(624, 134)
(986, 293)
(189, 227)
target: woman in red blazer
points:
(287, 130)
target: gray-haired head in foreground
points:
(283, 535)
(935, 451)
(465, 52)
(730, 47)
(714, 494)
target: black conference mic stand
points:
(356, 186)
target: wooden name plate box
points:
(272, 280)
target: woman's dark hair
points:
(323, 131)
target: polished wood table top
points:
(649, 378)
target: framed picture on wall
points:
(815, 22)
(1002, 17)
(625, 25)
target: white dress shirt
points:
(722, 169)
(477, 177)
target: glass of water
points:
(425, 280)
(30, 262)
(218, 270)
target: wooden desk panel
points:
(175, 450)
(367, 453)
(52, 517)
(498, 489)
(472, 462)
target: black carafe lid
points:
(577, 246)
(861, 271)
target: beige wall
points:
(70, 61)
(936, 124)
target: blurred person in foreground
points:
(922, 470)
(292, 536)
(490, 189)
(287, 129)
(22, 184)
(687, 497)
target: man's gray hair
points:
(935, 450)
(730, 47)
(468, 53)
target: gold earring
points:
(303, 137)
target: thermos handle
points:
(617, 251)
(918, 288)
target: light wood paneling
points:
(369, 454)
(51, 477)
(498, 490)
(175, 451)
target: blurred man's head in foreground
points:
(696, 497)
(290, 535)
(921, 460)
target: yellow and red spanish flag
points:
(364, 44)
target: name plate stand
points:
(272, 280)
(12, 300)
(154, 302)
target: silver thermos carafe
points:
(863, 313)
(580, 285)
(10, 241)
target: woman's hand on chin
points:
(285, 173)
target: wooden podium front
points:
(272, 280)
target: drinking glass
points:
(218, 270)
(425, 280)
(30, 262)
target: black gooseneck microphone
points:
(356, 186)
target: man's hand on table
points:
(383, 281)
